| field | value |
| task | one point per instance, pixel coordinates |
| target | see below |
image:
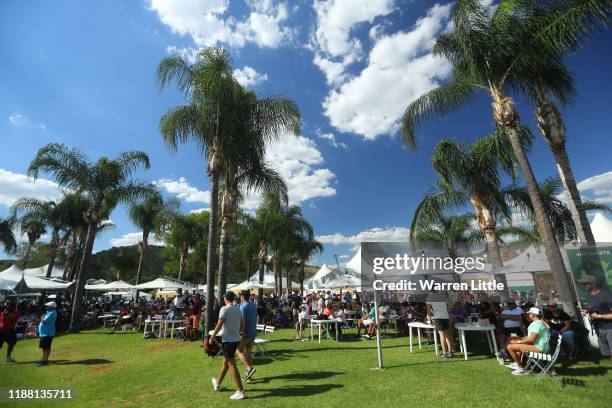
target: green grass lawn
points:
(125, 370)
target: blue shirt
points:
(249, 315)
(46, 328)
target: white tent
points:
(344, 281)
(354, 265)
(250, 285)
(111, 286)
(165, 283)
(12, 270)
(32, 282)
(41, 272)
(602, 228)
(269, 278)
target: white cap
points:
(51, 304)
(535, 311)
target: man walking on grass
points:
(232, 323)
(245, 348)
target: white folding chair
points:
(266, 337)
(545, 363)
(179, 332)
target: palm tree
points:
(54, 214)
(34, 228)
(251, 177)
(145, 214)
(495, 54)
(7, 238)
(304, 249)
(544, 87)
(210, 121)
(472, 174)
(451, 231)
(105, 183)
(558, 212)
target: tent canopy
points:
(165, 283)
(343, 281)
(111, 286)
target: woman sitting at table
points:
(123, 312)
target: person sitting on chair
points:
(559, 322)
(537, 339)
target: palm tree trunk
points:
(552, 130)
(289, 284)
(142, 246)
(77, 299)
(70, 255)
(224, 250)
(53, 248)
(506, 116)
(183, 260)
(262, 266)
(211, 259)
(27, 255)
(302, 267)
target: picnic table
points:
(489, 330)
(423, 326)
(320, 323)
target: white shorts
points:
(367, 322)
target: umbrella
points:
(164, 283)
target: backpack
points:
(211, 349)
(149, 335)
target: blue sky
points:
(82, 73)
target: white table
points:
(489, 330)
(172, 322)
(424, 326)
(152, 323)
(320, 323)
(107, 318)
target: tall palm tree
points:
(211, 122)
(239, 179)
(7, 238)
(145, 214)
(492, 54)
(557, 84)
(104, 182)
(34, 228)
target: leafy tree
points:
(7, 238)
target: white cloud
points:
(247, 76)
(20, 120)
(376, 234)
(15, 185)
(598, 187)
(298, 160)
(335, 48)
(332, 140)
(189, 53)
(132, 238)
(199, 210)
(402, 65)
(208, 24)
(183, 190)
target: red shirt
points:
(8, 320)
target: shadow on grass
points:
(582, 371)
(294, 391)
(89, 361)
(301, 376)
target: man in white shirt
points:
(230, 319)
(178, 299)
(512, 317)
